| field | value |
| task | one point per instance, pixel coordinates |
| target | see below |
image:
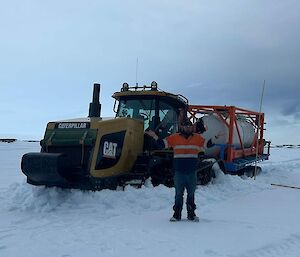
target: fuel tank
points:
(216, 127)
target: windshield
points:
(168, 120)
(161, 119)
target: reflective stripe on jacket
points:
(185, 147)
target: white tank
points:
(216, 127)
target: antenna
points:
(136, 71)
(258, 128)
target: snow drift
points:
(239, 216)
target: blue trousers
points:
(188, 181)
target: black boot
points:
(191, 212)
(177, 214)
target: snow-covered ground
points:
(238, 216)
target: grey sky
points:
(213, 52)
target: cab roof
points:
(149, 92)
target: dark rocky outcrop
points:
(8, 140)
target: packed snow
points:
(239, 216)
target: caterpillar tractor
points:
(95, 153)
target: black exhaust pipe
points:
(95, 106)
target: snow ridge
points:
(24, 197)
(286, 247)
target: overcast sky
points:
(213, 52)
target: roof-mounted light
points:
(125, 87)
(153, 85)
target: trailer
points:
(242, 144)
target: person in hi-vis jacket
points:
(187, 147)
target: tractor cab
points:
(159, 110)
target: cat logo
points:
(109, 149)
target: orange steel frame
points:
(230, 120)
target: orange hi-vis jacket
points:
(185, 147)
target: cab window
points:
(138, 109)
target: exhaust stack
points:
(95, 106)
